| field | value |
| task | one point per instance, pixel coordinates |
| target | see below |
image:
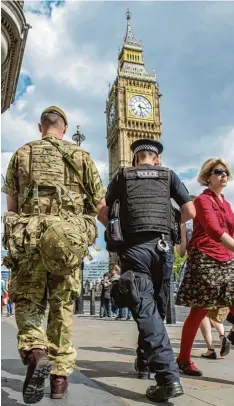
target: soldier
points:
(47, 236)
(143, 193)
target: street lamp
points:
(78, 137)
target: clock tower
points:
(132, 107)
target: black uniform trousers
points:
(152, 270)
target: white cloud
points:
(5, 159)
(222, 147)
(103, 170)
(21, 104)
(98, 256)
(68, 62)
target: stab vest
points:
(47, 183)
(145, 200)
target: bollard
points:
(171, 312)
(92, 302)
(79, 304)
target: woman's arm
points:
(227, 241)
(181, 248)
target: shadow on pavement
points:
(101, 369)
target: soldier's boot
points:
(58, 386)
(39, 368)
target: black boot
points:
(142, 373)
(163, 393)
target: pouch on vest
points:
(14, 233)
(124, 291)
(113, 235)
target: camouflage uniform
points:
(40, 163)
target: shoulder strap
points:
(67, 157)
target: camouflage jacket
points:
(38, 176)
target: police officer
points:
(144, 192)
(45, 185)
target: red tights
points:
(191, 325)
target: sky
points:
(71, 57)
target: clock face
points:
(111, 114)
(140, 106)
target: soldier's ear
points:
(65, 129)
(40, 127)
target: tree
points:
(178, 262)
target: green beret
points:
(56, 110)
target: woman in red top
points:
(209, 279)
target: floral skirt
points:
(207, 283)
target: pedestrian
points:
(115, 275)
(143, 193)
(215, 317)
(47, 236)
(105, 306)
(209, 278)
(2, 293)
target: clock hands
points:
(141, 107)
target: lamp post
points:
(78, 137)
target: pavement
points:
(105, 375)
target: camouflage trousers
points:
(31, 289)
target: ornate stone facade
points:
(132, 108)
(14, 30)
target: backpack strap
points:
(67, 157)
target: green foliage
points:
(178, 262)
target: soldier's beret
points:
(56, 110)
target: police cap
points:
(146, 145)
(55, 110)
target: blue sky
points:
(71, 56)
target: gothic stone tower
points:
(132, 108)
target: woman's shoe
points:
(189, 368)
(210, 354)
(225, 347)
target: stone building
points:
(14, 30)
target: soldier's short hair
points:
(51, 120)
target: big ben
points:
(132, 107)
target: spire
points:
(129, 37)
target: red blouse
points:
(210, 223)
